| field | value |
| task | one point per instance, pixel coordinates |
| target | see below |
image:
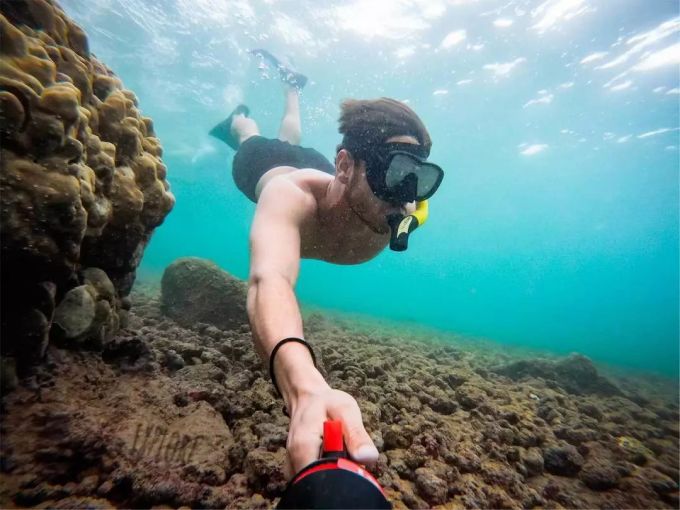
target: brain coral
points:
(82, 184)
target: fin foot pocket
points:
(222, 131)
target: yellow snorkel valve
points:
(402, 226)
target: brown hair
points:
(368, 122)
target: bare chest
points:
(335, 236)
(339, 237)
(340, 244)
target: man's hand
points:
(305, 436)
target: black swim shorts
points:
(258, 154)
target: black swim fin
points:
(222, 131)
(286, 74)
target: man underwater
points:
(309, 208)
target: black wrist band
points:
(273, 354)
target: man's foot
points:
(222, 131)
(286, 74)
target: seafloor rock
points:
(82, 184)
(431, 488)
(75, 313)
(600, 475)
(562, 460)
(532, 459)
(576, 374)
(86, 313)
(195, 290)
(633, 450)
(265, 470)
(470, 396)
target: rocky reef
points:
(173, 415)
(82, 186)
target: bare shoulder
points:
(288, 195)
(300, 189)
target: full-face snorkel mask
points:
(398, 173)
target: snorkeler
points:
(308, 207)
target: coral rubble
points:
(173, 415)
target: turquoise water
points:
(556, 226)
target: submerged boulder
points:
(75, 313)
(196, 290)
(575, 374)
(88, 313)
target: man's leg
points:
(291, 130)
(235, 129)
(243, 128)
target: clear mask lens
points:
(427, 175)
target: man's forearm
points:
(274, 314)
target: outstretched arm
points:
(274, 266)
(274, 314)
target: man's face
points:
(371, 209)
